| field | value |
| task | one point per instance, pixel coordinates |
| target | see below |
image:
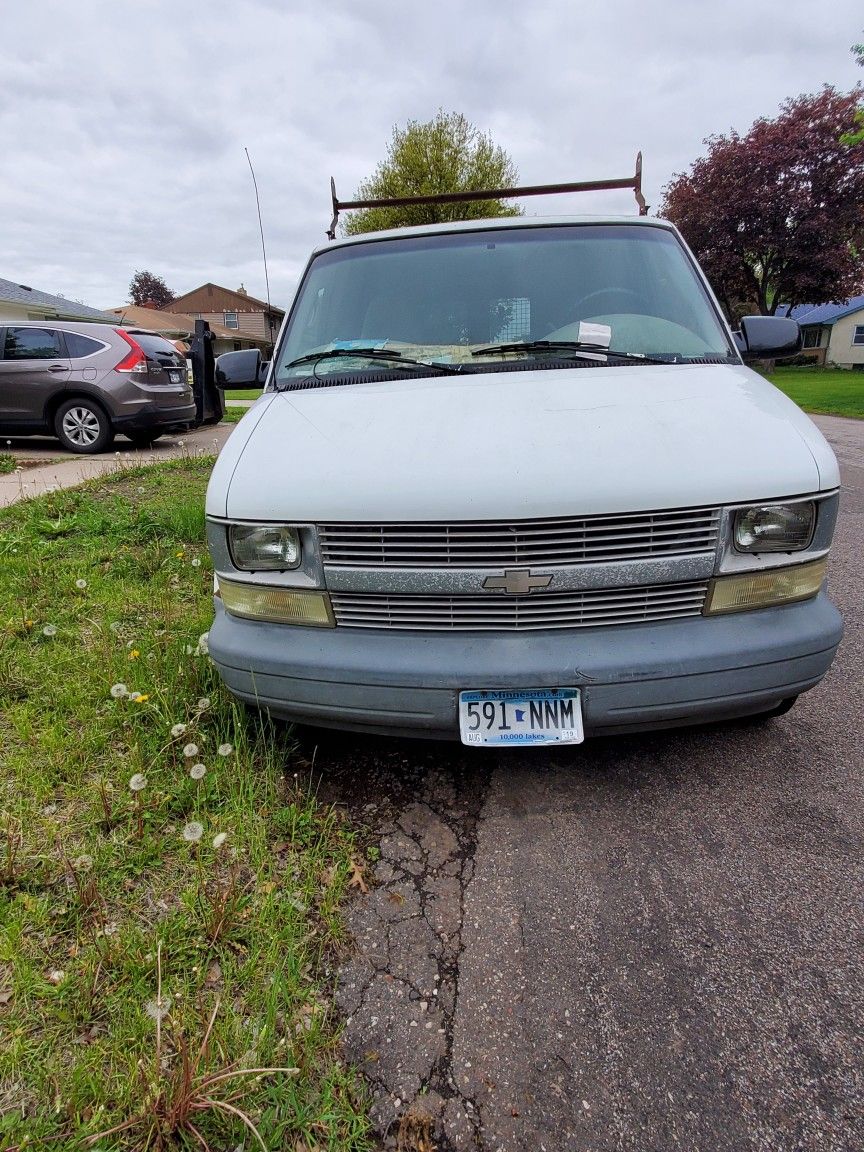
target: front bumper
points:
(633, 678)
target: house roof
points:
(174, 324)
(823, 313)
(214, 298)
(56, 307)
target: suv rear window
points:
(154, 345)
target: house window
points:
(858, 334)
(811, 337)
(231, 320)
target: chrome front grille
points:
(500, 543)
(501, 613)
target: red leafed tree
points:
(777, 216)
(149, 291)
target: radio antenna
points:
(263, 249)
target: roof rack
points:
(634, 182)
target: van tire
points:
(82, 426)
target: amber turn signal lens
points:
(764, 589)
(280, 605)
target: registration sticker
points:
(521, 716)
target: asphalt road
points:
(647, 943)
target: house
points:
(179, 328)
(833, 333)
(237, 311)
(21, 302)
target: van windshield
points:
(472, 298)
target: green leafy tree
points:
(150, 291)
(447, 154)
(856, 137)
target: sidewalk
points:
(60, 470)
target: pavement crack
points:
(422, 826)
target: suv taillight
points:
(135, 360)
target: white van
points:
(510, 481)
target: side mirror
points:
(768, 337)
(243, 369)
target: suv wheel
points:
(83, 426)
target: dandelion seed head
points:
(178, 730)
(190, 750)
(49, 630)
(83, 863)
(225, 749)
(193, 831)
(138, 782)
(204, 703)
(204, 643)
(159, 1006)
(49, 809)
(82, 584)
(118, 691)
(219, 839)
(198, 771)
(196, 563)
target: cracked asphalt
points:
(648, 943)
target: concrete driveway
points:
(46, 467)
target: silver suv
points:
(84, 382)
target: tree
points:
(856, 137)
(447, 154)
(777, 216)
(149, 291)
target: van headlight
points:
(774, 527)
(270, 547)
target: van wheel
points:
(83, 426)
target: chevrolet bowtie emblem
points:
(516, 582)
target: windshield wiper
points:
(567, 346)
(373, 354)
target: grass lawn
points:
(169, 889)
(829, 390)
(243, 393)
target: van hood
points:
(513, 445)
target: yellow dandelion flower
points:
(134, 654)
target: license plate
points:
(521, 716)
(175, 377)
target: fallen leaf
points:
(5, 997)
(356, 880)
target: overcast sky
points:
(123, 124)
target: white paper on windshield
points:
(595, 334)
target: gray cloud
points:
(124, 127)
